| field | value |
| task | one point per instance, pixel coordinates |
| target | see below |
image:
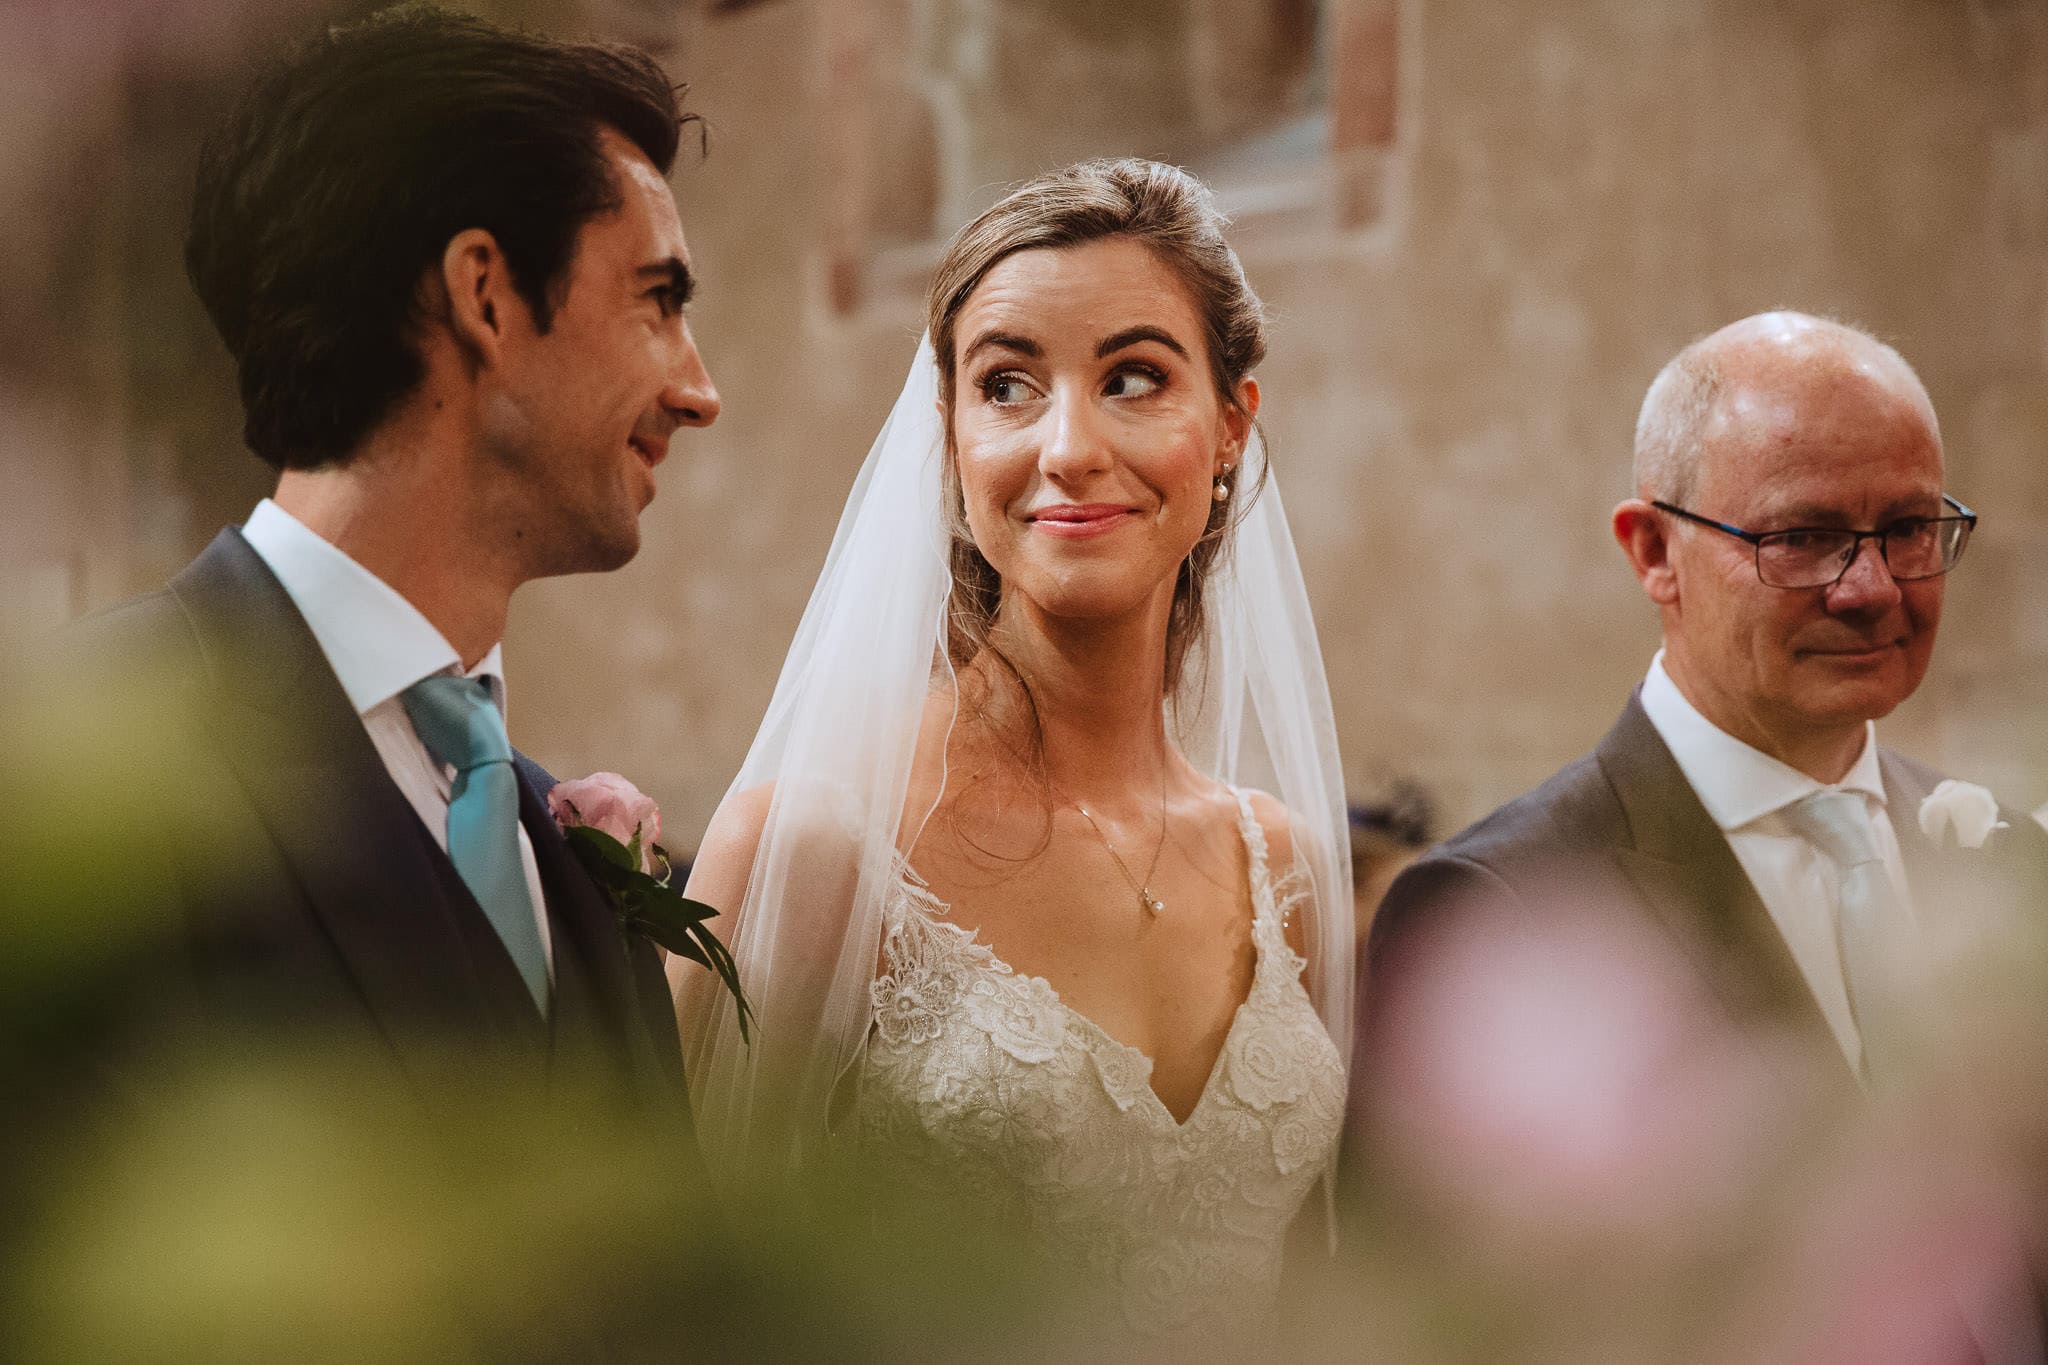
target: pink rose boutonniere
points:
(613, 805)
(615, 830)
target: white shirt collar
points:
(377, 643)
(1736, 783)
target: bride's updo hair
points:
(1176, 216)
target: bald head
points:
(1753, 372)
(1779, 424)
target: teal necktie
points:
(1870, 924)
(460, 725)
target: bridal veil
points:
(831, 765)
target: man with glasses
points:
(1791, 525)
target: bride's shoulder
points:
(1271, 816)
(1277, 826)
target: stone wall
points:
(1480, 228)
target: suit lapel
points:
(365, 863)
(597, 998)
(1906, 785)
(1683, 865)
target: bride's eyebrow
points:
(1131, 336)
(1005, 340)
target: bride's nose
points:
(1073, 443)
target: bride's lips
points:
(1078, 521)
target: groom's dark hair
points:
(340, 177)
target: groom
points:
(448, 265)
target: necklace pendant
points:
(1151, 903)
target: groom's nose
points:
(690, 396)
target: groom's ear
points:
(476, 283)
(1643, 536)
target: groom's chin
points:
(599, 549)
(616, 551)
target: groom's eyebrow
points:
(676, 273)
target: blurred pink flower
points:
(1562, 1077)
(1914, 1254)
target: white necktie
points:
(1871, 926)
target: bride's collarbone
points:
(1166, 983)
(1076, 885)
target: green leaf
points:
(677, 923)
(687, 948)
(646, 905)
(587, 840)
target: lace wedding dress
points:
(980, 1081)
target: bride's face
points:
(1087, 431)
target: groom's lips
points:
(650, 451)
(1075, 521)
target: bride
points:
(1035, 873)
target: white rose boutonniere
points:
(1968, 809)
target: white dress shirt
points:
(1746, 792)
(378, 645)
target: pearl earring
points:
(1222, 493)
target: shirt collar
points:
(377, 643)
(1739, 784)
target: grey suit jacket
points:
(1623, 822)
(1624, 826)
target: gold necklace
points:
(1152, 904)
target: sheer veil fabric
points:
(832, 764)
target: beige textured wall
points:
(1576, 187)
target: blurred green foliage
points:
(189, 1196)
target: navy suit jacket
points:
(283, 884)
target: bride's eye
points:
(1134, 383)
(1005, 388)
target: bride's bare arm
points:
(718, 878)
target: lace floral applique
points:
(913, 998)
(1020, 1013)
(1125, 1072)
(1004, 1110)
(904, 1016)
(1301, 1137)
(1270, 1065)
(1292, 895)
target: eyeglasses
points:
(1817, 557)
